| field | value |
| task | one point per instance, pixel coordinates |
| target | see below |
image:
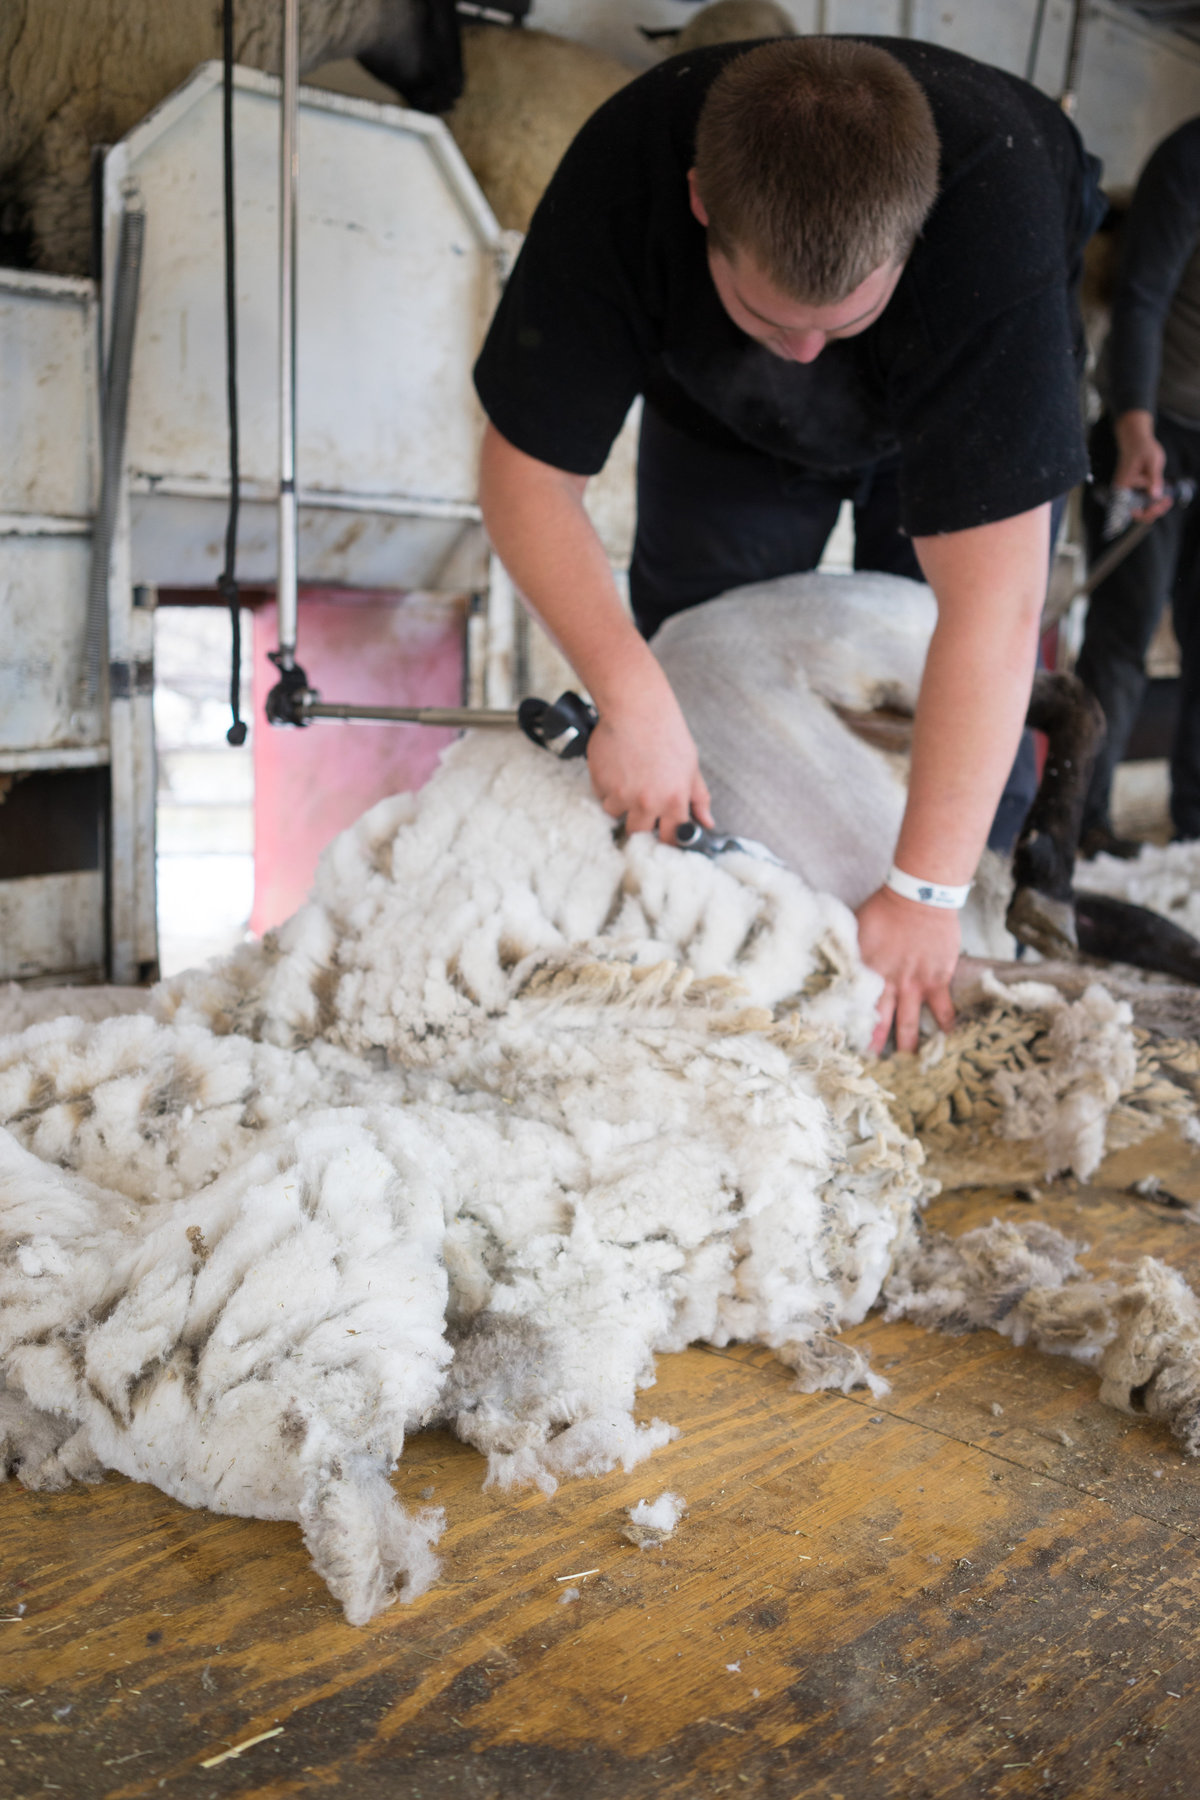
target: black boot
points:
(1102, 840)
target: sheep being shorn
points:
(779, 681)
(723, 22)
(526, 93)
(792, 673)
(507, 1110)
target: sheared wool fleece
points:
(503, 1112)
(1033, 1084)
(507, 1109)
(1140, 1330)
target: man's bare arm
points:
(990, 585)
(642, 759)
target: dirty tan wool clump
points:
(1139, 1329)
(1034, 1084)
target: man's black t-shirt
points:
(970, 372)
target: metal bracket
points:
(286, 700)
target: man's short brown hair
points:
(818, 157)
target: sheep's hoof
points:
(1045, 925)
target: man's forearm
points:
(971, 711)
(990, 586)
(989, 583)
(536, 520)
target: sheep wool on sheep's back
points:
(506, 1110)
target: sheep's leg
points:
(1073, 722)
(1114, 930)
(1042, 911)
(1045, 912)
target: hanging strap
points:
(227, 580)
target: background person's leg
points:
(1121, 617)
(710, 519)
(1185, 609)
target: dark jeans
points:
(710, 519)
(1122, 616)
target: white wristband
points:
(929, 893)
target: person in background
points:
(1149, 435)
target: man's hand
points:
(1141, 462)
(641, 756)
(915, 948)
(644, 766)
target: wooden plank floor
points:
(984, 1584)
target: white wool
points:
(259, 1346)
(985, 932)
(661, 1516)
(652, 1524)
(502, 1113)
(1163, 877)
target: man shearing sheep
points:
(835, 268)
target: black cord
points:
(227, 580)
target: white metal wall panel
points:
(52, 925)
(1136, 83)
(47, 395)
(179, 541)
(876, 18)
(48, 458)
(397, 278)
(43, 596)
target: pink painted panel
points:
(383, 648)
